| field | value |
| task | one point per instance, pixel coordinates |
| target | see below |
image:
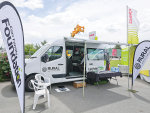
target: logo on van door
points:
(44, 69)
(53, 69)
(92, 69)
(101, 68)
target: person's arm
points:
(82, 61)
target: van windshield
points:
(39, 52)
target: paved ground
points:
(110, 98)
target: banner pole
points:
(127, 24)
(128, 48)
(84, 68)
(132, 76)
(132, 87)
(128, 65)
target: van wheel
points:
(28, 84)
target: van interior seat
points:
(70, 64)
(75, 59)
(75, 64)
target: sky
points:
(55, 19)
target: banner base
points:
(133, 91)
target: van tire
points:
(28, 84)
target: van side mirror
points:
(45, 58)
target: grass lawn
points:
(114, 63)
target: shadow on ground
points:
(141, 98)
(40, 107)
(9, 91)
(94, 97)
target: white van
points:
(62, 63)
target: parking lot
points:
(109, 98)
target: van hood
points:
(27, 60)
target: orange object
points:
(79, 84)
(77, 29)
(109, 67)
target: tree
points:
(44, 42)
(1, 48)
(37, 46)
(117, 46)
(29, 49)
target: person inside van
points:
(81, 62)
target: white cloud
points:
(58, 9)
(33, 34)
(61, 24)
(31, 4)
(113, 28)
(145, 27)
(107, 18)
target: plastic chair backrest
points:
(38, 77)
(33, 83)
(47, 80)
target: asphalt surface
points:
(109, 98)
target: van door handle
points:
(90, 63)
(60, 64)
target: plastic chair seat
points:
(41, 92)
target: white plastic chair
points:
(46, 80)
(39, 91)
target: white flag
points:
(133, 26)
(12, 33)
(142, 53)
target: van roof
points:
(79, 40)
(70, 39)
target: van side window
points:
(95, 54)
(50, 52)
(55, 52)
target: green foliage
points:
(117, 46)
(37, 46)
(114, 63)
(29, 49)
(44, 42)
(1, 48)
(5, 71)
